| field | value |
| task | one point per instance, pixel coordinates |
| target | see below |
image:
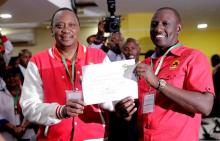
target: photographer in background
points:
(110, 24)
(114, 44)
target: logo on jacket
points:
(174, 64)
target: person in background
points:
(54, 74)
(174, 89)
(14, 62)
(119, 129)
(6, 49)
(24, 57)
(215, 60)
(113, 45)
(131, 49)
(13, 126)
(2, 72)
(99, 40)
(91, 39)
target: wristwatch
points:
(161, 84)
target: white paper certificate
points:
(109, 82)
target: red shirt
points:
(184, 68)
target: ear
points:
(179, 28)
(52, 32)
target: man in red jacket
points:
(53, 74)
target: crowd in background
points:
(13, 125)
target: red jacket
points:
(90, 124)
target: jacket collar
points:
(81, 50)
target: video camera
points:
(112, 22)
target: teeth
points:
(131, 56)
(160, 36)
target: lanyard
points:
(163, 57)
(66, 67)
(16, 100)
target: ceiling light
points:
(0, 29)
(201, 26)
(5, 16)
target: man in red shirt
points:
(175, 85)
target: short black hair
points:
(62, 9)
(129, 40)
(23, 51)
(173, 10)
(87, 39)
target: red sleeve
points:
(4, 38)
(199, 75)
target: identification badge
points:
(148, 105)
(73, 95)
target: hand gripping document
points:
(109, 82)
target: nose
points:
(65, 29)
(159, 28)
(130, 51)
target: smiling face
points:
(65, 28)
(131, 49)
(165, 27)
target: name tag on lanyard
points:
(73, 95)
(149, 102)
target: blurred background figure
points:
(114, 44)
(119, 129)
(23, 58)
(2, 73)
(91, 39)
(131, 49)
(14, 62)
(215, 60)
(13, 126)
(6, 49)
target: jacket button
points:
(75, 123)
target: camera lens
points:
(114, 26)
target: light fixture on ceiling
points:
(202, 26)
(5, 16)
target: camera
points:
(112, 22)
